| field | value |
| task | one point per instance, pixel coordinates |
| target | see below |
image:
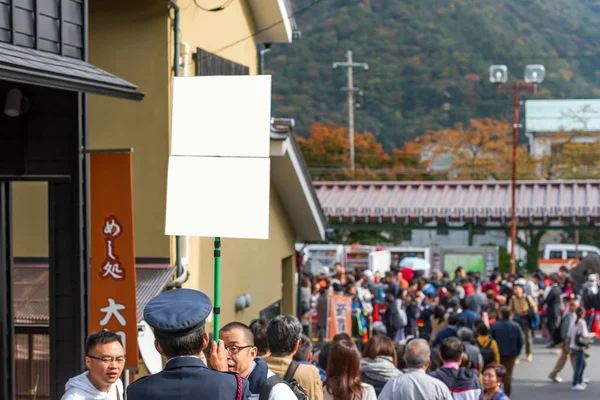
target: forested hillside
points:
(429, 59)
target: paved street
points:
(531, 380)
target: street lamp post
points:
(534, 75)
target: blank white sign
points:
(224, 116)
(218, 197)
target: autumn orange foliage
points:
(477, 151)
(327, 153)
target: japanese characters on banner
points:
(112, 267)
(340, 315)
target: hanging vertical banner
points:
(340, 315)
(112, 266)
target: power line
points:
(216, 9)
(258, 32)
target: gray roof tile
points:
(41, 68)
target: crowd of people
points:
(494, 318)
(430, 338)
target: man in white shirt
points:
(105, 359)
(242, 358)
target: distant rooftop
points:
(565, 115)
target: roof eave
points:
(69, 83)
(273, 20)
(284, 145)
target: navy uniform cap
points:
(178, 312)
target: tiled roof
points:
(36, 67)
(31, 304)
(456, 201)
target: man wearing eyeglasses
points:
(105, 359)
(242, 359)
(178, 319)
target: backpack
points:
(486, 352)
(532, 316)
(288, 379)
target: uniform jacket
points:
(187, 378)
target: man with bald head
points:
(415, 384)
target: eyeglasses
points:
(108, 360)
(233, 350)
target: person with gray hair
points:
(415, 384)
(284, 334)
(475, 358)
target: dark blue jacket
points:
(470, 316)
(187, 378)
(258, 376)
(449, 331)
(509, 336)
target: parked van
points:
(566, 251)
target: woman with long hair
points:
(438, 320)
(343, 374)
(379, 364)
(579, 340)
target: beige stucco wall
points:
(30, 219)
(133, 43)
(247, 266)
(213, 31)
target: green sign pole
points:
(217, 306)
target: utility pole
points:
(350, 89)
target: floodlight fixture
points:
(498, 74)
(535, 73)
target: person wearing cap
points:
(178, 320)
(520, 305)
(553, 303)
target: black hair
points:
(439, 313)
(462, 321)
(451, 349)
(101, 337)
(341, 336)
(324, 356)
(188, 345)
(283, 333)
(248, 335)
(452, 319)
(259, 331)
(481, 328)
(580, 313)
(400, 356)
(304, 349)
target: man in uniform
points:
(177, 317)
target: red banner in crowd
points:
(112, 269)
(340, 315)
